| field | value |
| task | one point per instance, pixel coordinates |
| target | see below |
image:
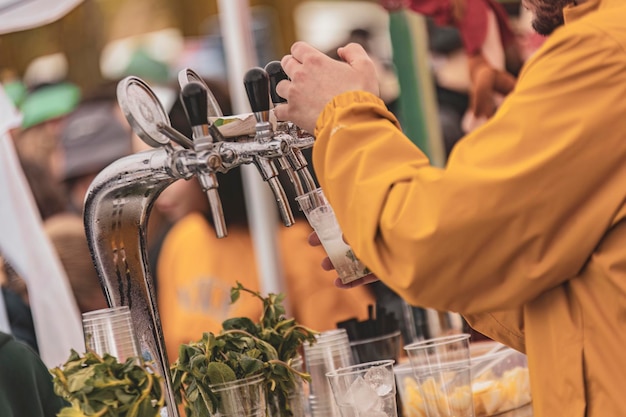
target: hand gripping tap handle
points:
(194, 99)
(277, 74)
(295, 158)
(256, 82)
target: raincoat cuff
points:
(345, 100)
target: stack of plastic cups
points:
(111, 331)
(331, 351)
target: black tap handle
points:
(194, 98)
(277, 74)
(257, 86)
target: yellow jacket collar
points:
(575, 12)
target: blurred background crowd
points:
(62, 77)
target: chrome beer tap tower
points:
(119, 200)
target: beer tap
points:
(119, 200)
(256, 82)
(194, 99)
(116, 212)
(295, 157)
(186, 76)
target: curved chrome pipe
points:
(117, 207)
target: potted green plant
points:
(242, 350)
(96, 386)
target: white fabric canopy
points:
(9, 118)
(17, 15)
(26, 246)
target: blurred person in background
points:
(94, 135)
(48, 98)
(196, 269)
(67, 234)
(44, 112)
(17, 305)
(50, 195)
(492, 55)
(26, 388)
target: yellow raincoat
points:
(524, 231)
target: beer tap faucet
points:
(120, 199)
(256, 82)
(294, 157)
(194, 99)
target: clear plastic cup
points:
(387, 346)
(331, 351)
(296, 399)
(111, 331)
(441, 367)
(366, 389)
(241, 398)
(322, 218)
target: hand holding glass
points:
(322, 218)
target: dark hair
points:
(50, 195)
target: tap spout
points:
(116, 212)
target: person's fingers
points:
(327, 265)
(281, 110)
(355, 55)
(300, 51)
(368, 279)
(288, 62)
(314, 239)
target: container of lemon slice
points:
(500, 381)
(500, 384)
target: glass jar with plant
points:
(244, 349)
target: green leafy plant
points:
(102, 387)
(242, 349)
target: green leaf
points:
(242, 349)
(218, 373)
(104, 387)
(240, 323)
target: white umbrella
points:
(24, 243)
(16, 15)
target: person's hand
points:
(315, 78)
(327, 265)
(486, 83)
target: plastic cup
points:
(322, 219)
(377, 348)
(367, 389)
(241, 398)
(409, 396)
(110, 330)
(331, 351)
(442, 371)
(296, 399)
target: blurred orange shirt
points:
(196, 271)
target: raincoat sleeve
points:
(522, 202)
